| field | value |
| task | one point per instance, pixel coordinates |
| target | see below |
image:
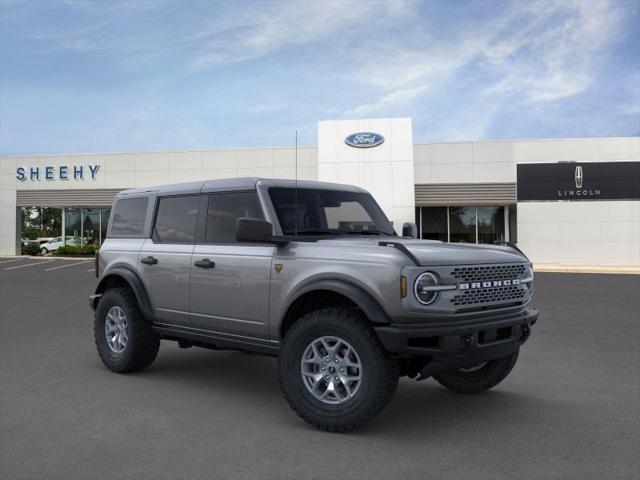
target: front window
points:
(328, 212)
(223, 212)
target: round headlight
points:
(422, 289)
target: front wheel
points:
(477, 378)
(44, 251)
(333, 370)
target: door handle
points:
(149, 260)
(204, 263)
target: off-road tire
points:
(480, 380)
(379, 372)
(143, 343)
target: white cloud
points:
(553, 55)
(539, 51)
(286, 25)
(396, 99)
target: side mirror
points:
(409, 230)
(256, 230)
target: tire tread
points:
(389, 371)
(145, 342)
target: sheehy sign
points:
(575, 181)
(60, 172)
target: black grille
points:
(510, 294)
(488, 272)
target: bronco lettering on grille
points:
(489, 284)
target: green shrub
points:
(83, 250)
(31, 249)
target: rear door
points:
(230, 280)
(165, 259)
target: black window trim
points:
(153, 234)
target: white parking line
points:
(91, 270)
(9, 261)
(30, 264)
(65, 266)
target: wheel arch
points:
(331, 293)
(125, 277)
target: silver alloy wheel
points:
(115, 329)
(331, 370)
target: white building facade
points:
(568, 203)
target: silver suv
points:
(314, 274)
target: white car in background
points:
(57, 242)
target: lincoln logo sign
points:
(579, 177)
(579, 191)
(364, 139)
(583, 181)
(60, 172)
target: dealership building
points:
(568, 203)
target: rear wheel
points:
(477, 378)
(333, 370)
(124, 338)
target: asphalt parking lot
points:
(570, 409)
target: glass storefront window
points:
(73, 226)
(490, 224)
(90, 226)
(434, 223)
(462, 224)
(86, 226)
(104, 223)
(465, 224)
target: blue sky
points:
(91, 76)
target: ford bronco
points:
(314, 274)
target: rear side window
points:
(129, 215)
(224, 210)
(176, 219)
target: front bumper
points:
(459, 345)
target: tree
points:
(41, 222)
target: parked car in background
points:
(55, 243)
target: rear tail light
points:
(96, 264)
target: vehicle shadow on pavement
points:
(418, 407)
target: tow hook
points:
(525, 332)
(466, 341)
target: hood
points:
(432, 252)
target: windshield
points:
(328, 212)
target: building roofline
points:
(306, 147)
(150, 152)
(519, 140)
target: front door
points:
(229, 280)
(165, 259)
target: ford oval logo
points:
(364, 139)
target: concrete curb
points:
(603, 270)
(51, 257)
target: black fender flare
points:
(371, 308)
(135, 283)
